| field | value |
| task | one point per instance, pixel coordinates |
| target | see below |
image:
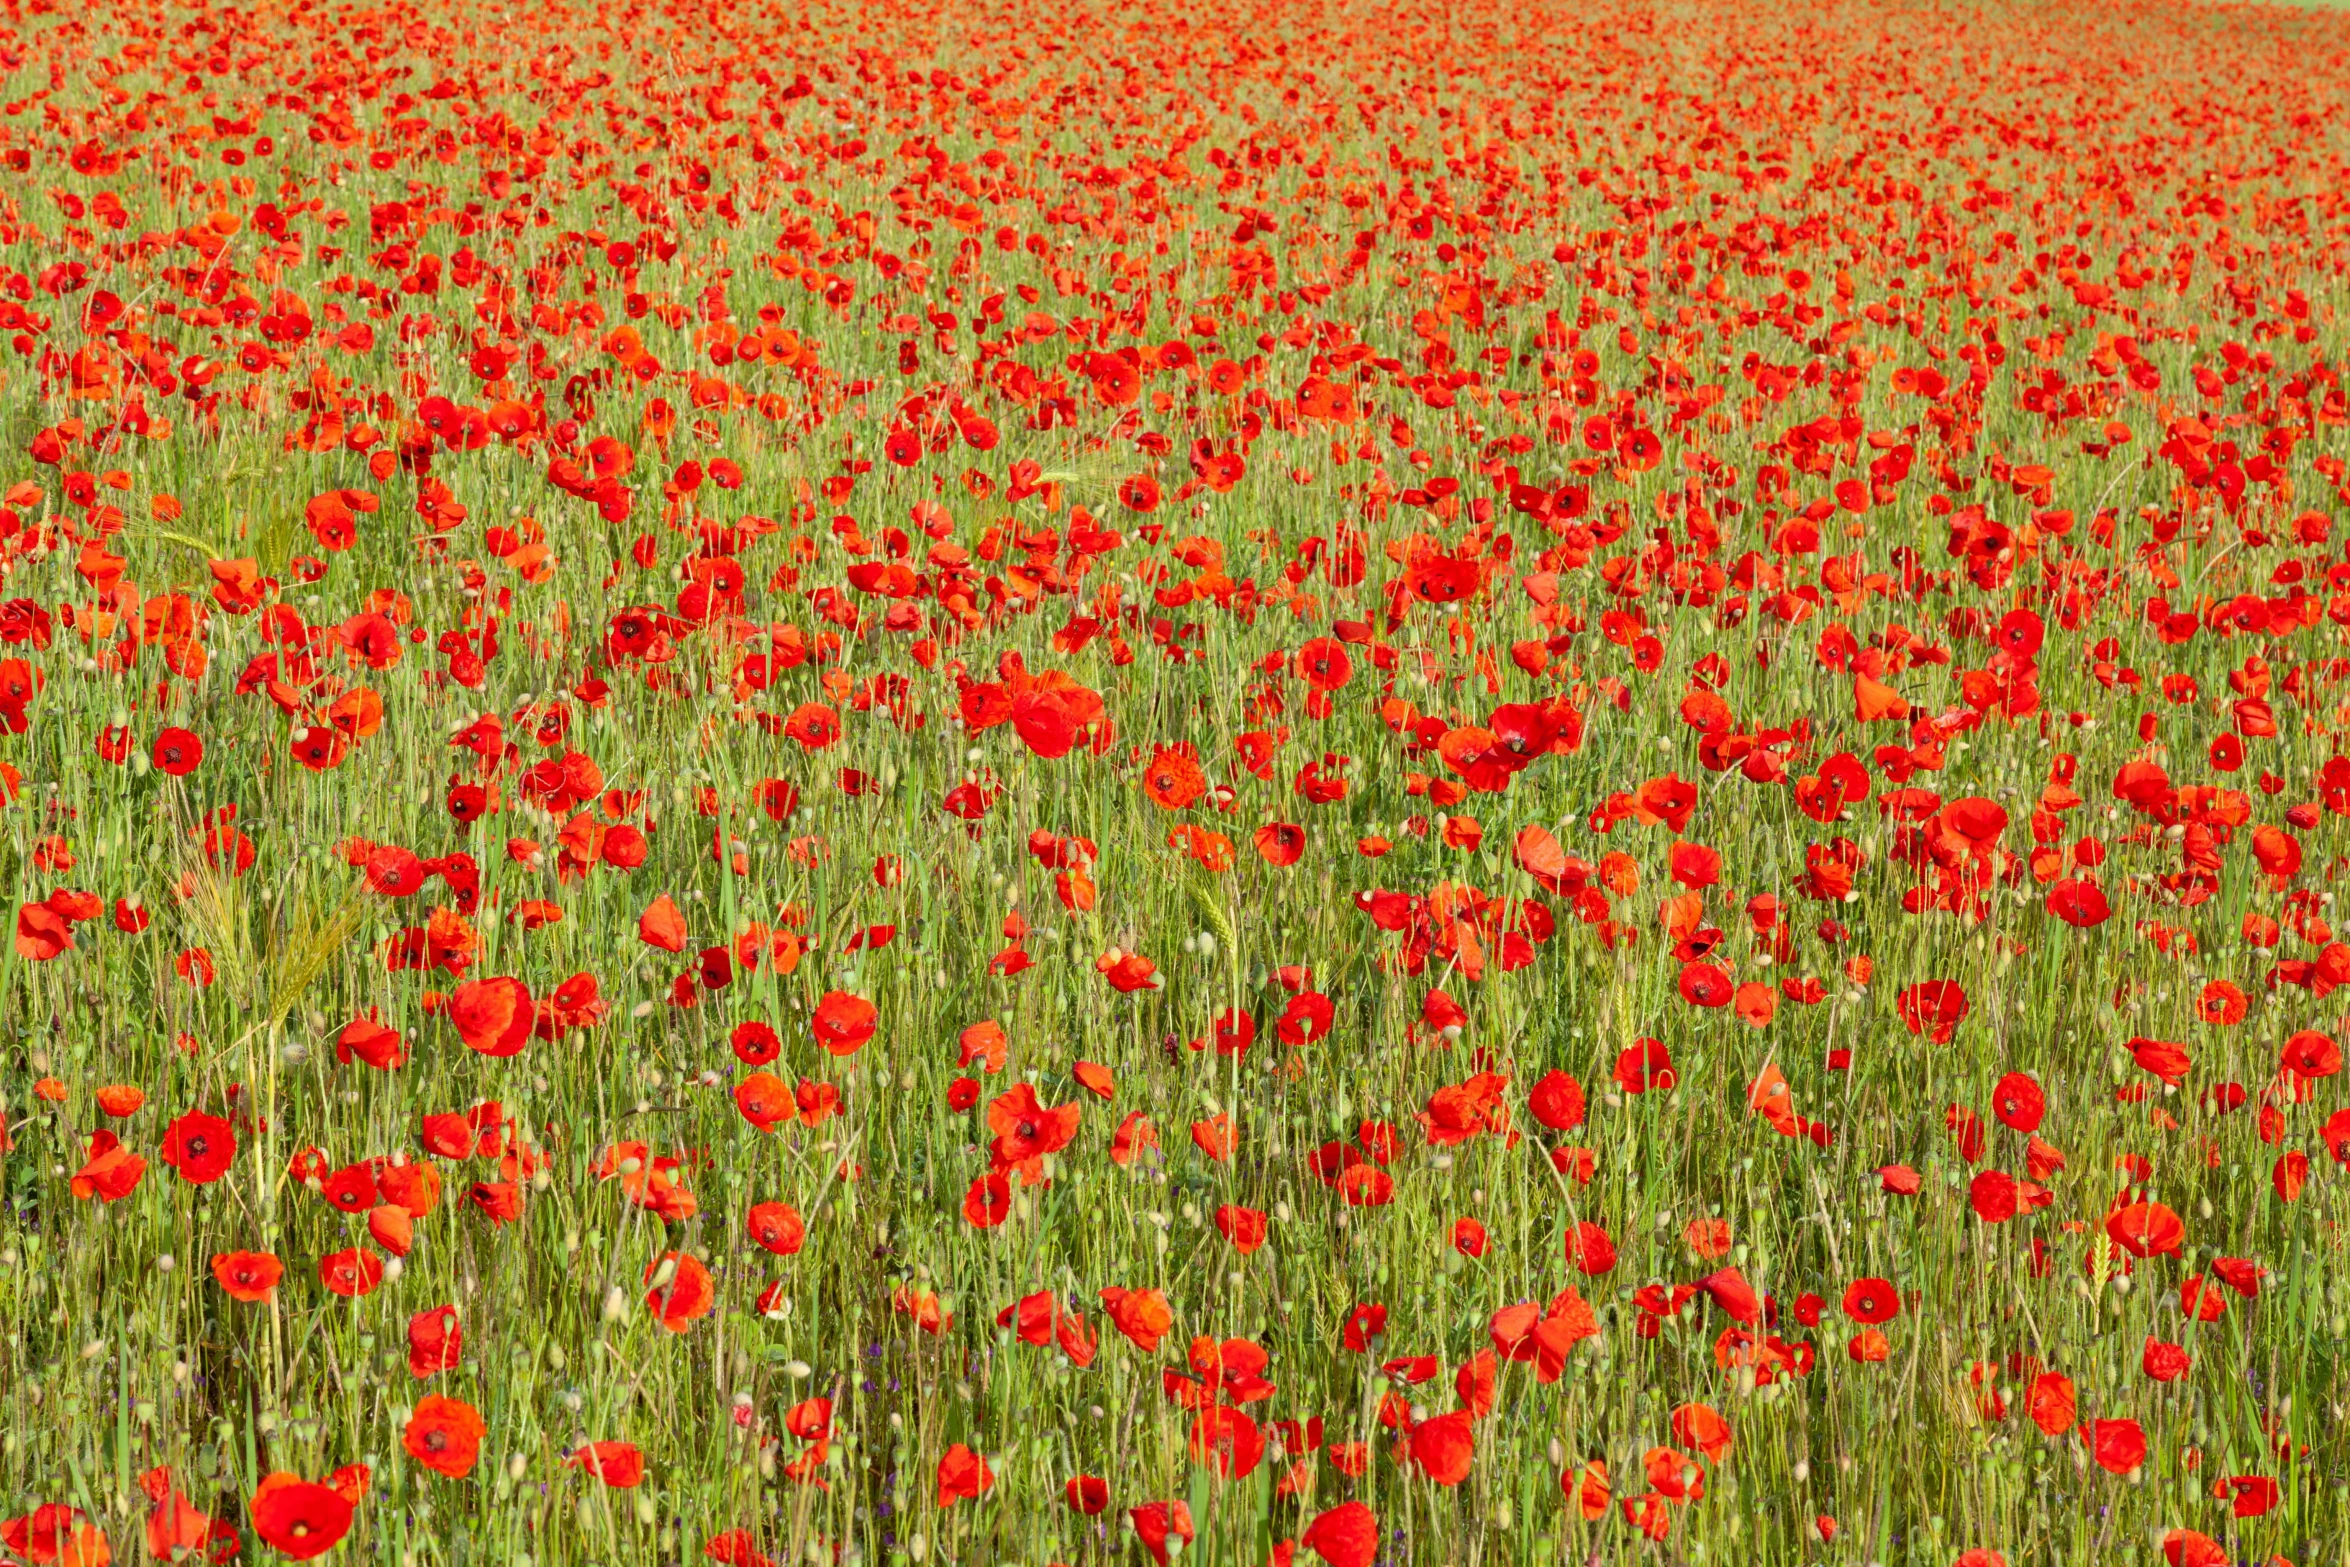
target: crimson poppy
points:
(1243, 1227)
(436, 1342)
(2018, 1102)
(2310, 1054)
(1934, 1008)
(842, 1022)
(754, 1043)
(493, 1017)
(1643, 1065)
(620, 1465)
(1158, 1523)
(1590, 1248)
(777, 1227)
(1444, 1447)
(1280, 844)
(365, 1039)
(444, 1434)
(2050, 1402)
(2251, 1496)
(1227, 1442)
(111, 1173)
(200, 1147)
(1872, 1301)
(247, 1275)
(1305, 1019)
(682, 1291)
(765, 1101)
(177, 752)
(2145, 1229)
(962, 1473)
(989, 1201)
(2119, 1446)
(299, 1518)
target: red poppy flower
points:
(1934, 1008)
(2050, 1402)
(1992, 1195)
(662, 925)
(365, 1039)
(1730, 1291)
(200, 1147)
(2165, 1362)
(1694, 866)
(1444, 1447)
(1280, 844)
(1305, 1019)
(1345, 1536)
(2290, 1174)
(1027, 1129)
(1366, 1186)
(444, 1435)
(350, 1273)
(498, 1201)
(2146, 1229)
(681, 1291)
(178, 752)
(54, 1532)
(436, 1342)
(1872, 1301)
(620, 1465)
(1706, 985)
(1645, 1064)
(843, 1022)
(493, 1017)
(777, 1227)
(42, 933)
(2310, 1054)
(1243, 1227)
(248, 1276)
(962, 1473)
(1323, 664)
(1543, 1336)
(1173, 779)
(351, 1189)
(1226, 1442)
(2251, 1496)
(2221, 1004)
(1157, 1523)
(813, 726)
(299, 1518)
(1557, 1102)
(2164, 1059)
(2018, 1102)
(2119, 1446)
(754, 1043)
(989, 1201)
(1591, 1249)
(739, 1547)
(111, 1173)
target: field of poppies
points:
(1272, 785)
